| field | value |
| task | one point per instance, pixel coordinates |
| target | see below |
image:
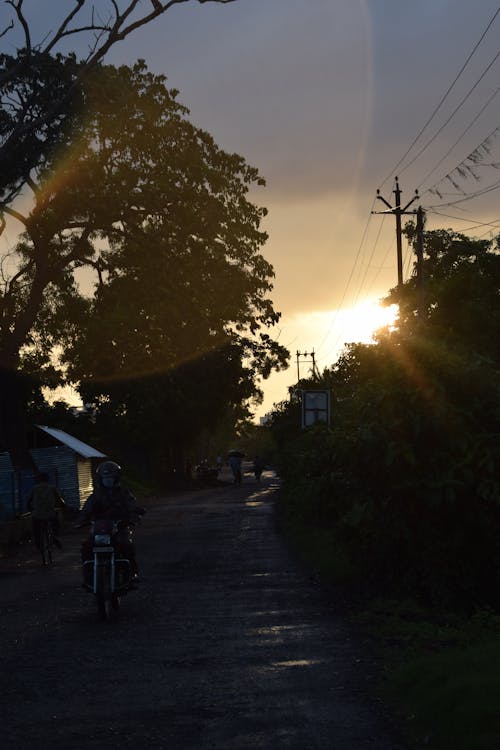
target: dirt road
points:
(227, 644)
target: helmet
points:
(109, 473)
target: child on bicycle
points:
(44, 501)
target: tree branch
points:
(7, 29)
(18, 7)
(32, 184)
(15, 214)
(64, 25)
(116, 30)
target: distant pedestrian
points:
(235, 464)
(218, 463)
(258, 467)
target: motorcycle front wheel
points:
(103, 593)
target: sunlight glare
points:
(359, 324)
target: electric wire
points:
(495, 93)
(361, 243)
(489, 232)
(338, 338)
(368, 265)
(443, 98)
(472, 157)
(477, 223)
(459, 106)
(409, 255)
(494, 224)
(382, 266)
(467, 197)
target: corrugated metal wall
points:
(63, 461)
(69, 472)
(85, 480)
(8, 487)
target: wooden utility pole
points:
(398, 212)
(419, 248)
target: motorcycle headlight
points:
(102, 539)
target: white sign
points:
(315, 407)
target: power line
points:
(468, 196)
(409, 255)
(477, 223)
(363, 237)
(390, 247)
(461, 103)
(476, 118)
(368, 265)
(463, 166)
(443, 98)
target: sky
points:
(325, 97)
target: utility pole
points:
(397, 211)
(420, 261)
(313, 360)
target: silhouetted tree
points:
(160, 215)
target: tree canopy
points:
(140, 256)
(30, 121)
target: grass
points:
(320, 552)
(451, 699)
(441, 673)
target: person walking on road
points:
(235, 464)
(258, 467)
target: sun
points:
(358, 324)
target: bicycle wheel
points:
(46, 543)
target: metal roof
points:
(84, 450)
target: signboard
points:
(315, 407)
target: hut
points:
(69, 462)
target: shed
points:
(68, 461)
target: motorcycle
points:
(108, 575)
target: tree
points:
(462, 300)
(161, 216)
(30, 121)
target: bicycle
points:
(46, 541)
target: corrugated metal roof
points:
(84, 450)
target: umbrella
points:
(236, 453)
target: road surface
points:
(228, 644)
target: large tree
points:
(461, 292)
(161, 216)
(31, 122)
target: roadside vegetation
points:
(399, 499)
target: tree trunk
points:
(13, 427)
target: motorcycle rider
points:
(111, 501)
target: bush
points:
(407, 479)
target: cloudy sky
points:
(325, 97)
